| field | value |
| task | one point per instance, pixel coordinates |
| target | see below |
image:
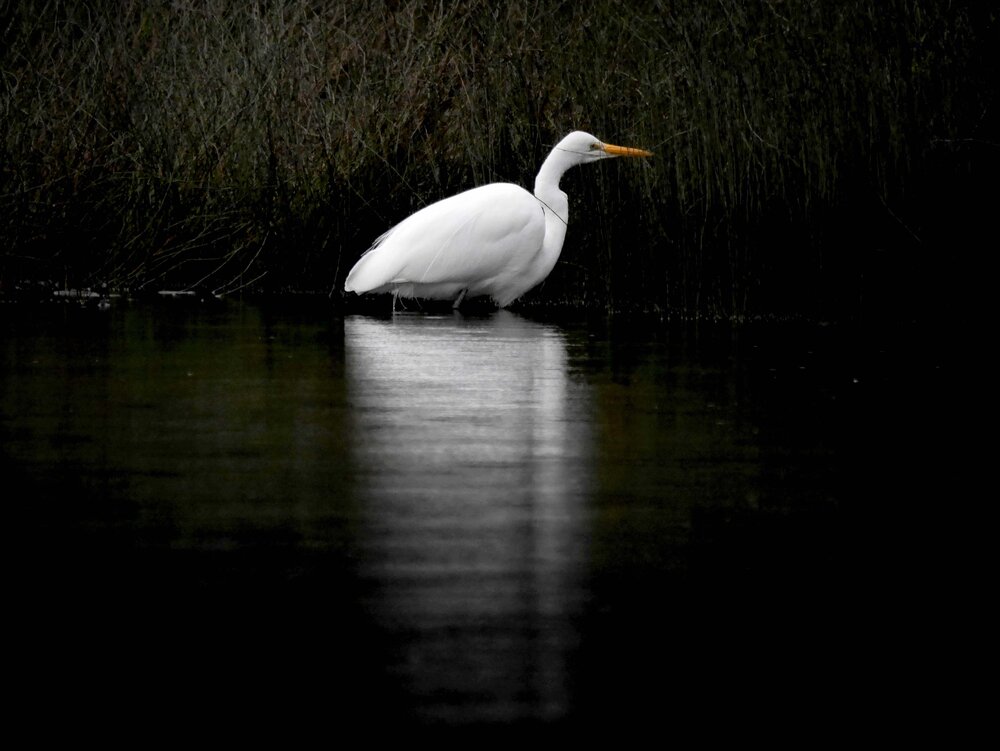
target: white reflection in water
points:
(473, 448)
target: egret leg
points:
(458, 300)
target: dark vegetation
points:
(819, 159)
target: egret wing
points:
(470, 239)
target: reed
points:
(263, 145)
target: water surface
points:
(451, 519)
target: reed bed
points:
(261, 146)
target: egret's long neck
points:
(556, 206)
(547, 181)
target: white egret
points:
(497, 240)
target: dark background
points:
(828, 160)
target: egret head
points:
(586, 148)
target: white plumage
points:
(497, 240)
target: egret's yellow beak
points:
(612, 150)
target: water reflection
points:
(470, 441)
(457, 519)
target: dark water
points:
(485, 520)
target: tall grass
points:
(262, 145)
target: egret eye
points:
(595, 146)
